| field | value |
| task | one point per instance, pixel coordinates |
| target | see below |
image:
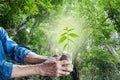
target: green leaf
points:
(65, 46)
(73, 35)
(63, 34)
(71, 29)
(62, 39)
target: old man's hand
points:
(55, 68)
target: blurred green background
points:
(38, 24)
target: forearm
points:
(32, 58)
(48, 68)
(24, 70)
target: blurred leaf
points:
(63, 34)
(71, 29)
(65, 46)
(62, 39)
(73, 35)
(71, 40)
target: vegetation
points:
(66, 36)
(38, 25)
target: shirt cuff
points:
(24, 55)
(5, 70)
(20, 53)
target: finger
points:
(67, 69)
(70, 66)
(61, 73)
(65, 62)
(56, 57)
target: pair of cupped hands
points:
(56, 66)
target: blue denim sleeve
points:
(9, 48)
(12, 49)
(5, 70)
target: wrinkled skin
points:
(55, 68)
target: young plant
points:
(67, 38)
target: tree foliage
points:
(97, 57)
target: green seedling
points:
(67, 38)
